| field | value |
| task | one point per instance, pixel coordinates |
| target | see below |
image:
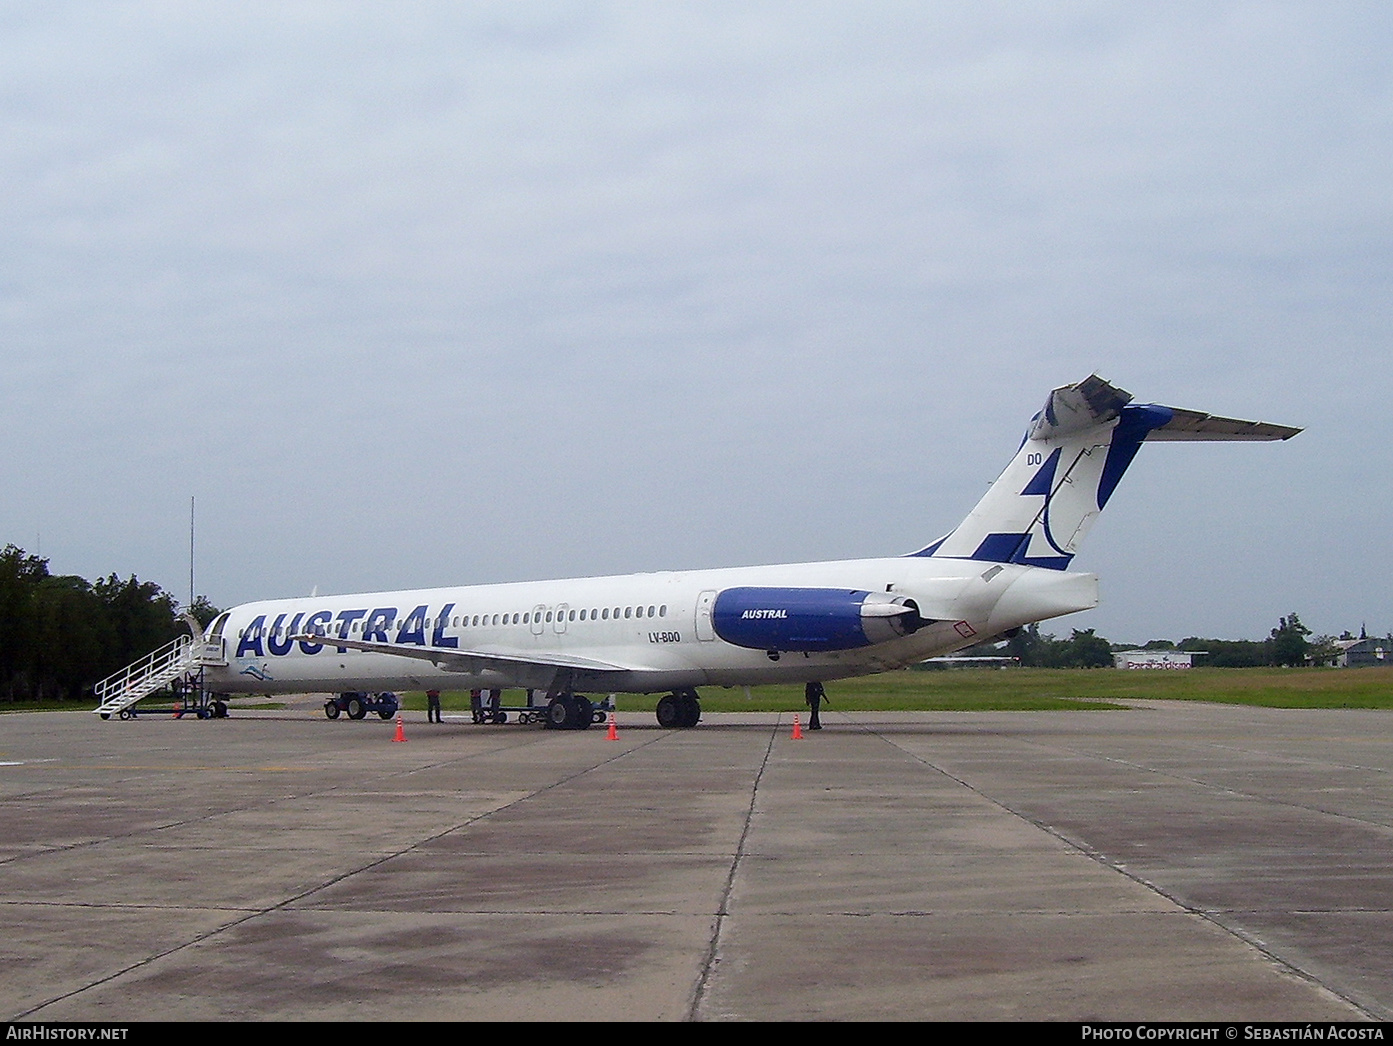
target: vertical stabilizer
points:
(1074, 453)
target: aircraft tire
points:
(585, 714)
(669, 711)
(691, 709)
(331, 709)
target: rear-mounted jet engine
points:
(811, 619)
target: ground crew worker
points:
(433, 706)
(813, 695)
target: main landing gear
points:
(681, 708)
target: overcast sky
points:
(442, 293)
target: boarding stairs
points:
(117, 693)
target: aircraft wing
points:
(1197, 425)
(452, 660)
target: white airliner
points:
(1003, 567)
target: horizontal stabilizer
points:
(1197, 425)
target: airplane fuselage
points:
(637, 633)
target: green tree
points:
(1289, 646)
(1028, 646)
(203, 610)
(1083, 649)
(19, 575)
(1230, 653)
(73, 643)
(142, 614)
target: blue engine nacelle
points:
(811, 619)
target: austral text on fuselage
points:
(377, 623)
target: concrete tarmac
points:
(1171, 861)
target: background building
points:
(1153, 658)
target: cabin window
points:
(525, 621)
(662, 610)
(606, 613)
(628, 611)
(572, 616)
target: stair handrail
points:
(151, 665)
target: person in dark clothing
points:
(433, 706)
(813, 694)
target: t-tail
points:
(1073, 456)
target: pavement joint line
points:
(712, 957)
(333, 881)
(1112, 865)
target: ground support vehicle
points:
(559, 712)
(356, 704)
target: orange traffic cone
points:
(797, 730)
(613, 734)
(401, 734)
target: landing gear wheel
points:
(331, 709)
(669, 711)
(691, 708)
(355, 708)
(585, 713)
